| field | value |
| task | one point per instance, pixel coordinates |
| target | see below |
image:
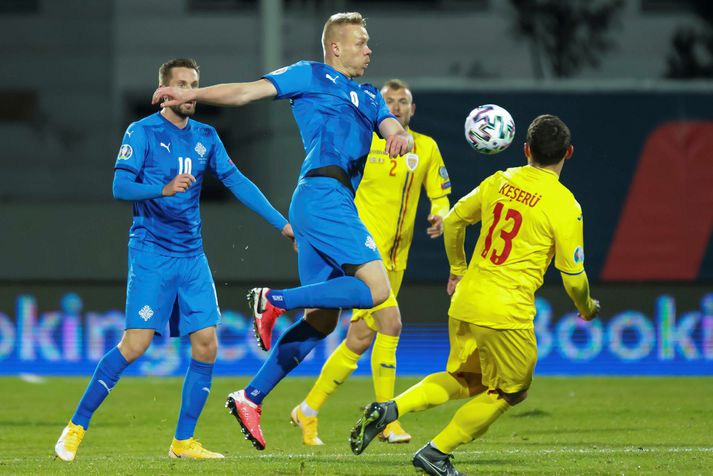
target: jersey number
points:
(392, 172)
(354, 97)
(185, 165)
(507, 236)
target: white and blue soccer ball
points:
(489, 129)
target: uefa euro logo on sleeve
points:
(125, 152)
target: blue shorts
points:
(166, 290)
(328, 230)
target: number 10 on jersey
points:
(185, 165)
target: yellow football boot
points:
(191, 449)
(308, 425)
(393, 433)
(68, 442)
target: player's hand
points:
(436, 228)
(179, 184)
(592, 312)
(290, 235)
(170, 96)
(453, 280)
(399, 144)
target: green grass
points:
(567, 426)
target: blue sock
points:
(344, 292)
(105, 376)
(196, 388)
(293, 346)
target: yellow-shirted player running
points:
(528, 217)
(387, 199)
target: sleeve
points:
(133, 150)
(126, 188)
(577, 287)
(291, 81)
(569, 241)
(251, 196)
(466, 212)
(381, 113)
(437, 182)
(220, 164)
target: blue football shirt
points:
(335, 115)
(155, 150)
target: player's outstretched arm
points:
(398, 141)
(228, 94)
(577, 287)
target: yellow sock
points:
(383, 366)
(434, 390)
(471, 421)
(338, 367)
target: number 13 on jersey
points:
(511, 215)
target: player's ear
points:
(413, 109)
(570, 151)
(526, 151)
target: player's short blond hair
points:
(340, 19)
(396, 84)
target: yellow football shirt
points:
(387, 197)
(527, 217)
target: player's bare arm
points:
(179, 184)
(228, 94)
(398, 141)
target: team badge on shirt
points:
(125, 152)
(200, 149)
(411, 161)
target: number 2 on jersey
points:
(507, 236)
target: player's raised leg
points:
(360, 291)
(106, 375)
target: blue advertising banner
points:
(660, 334)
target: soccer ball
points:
(489, 129)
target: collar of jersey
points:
(174, 126)
(548, 172)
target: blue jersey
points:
(336, 116)
(155, 150)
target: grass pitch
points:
(567, 426)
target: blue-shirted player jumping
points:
(339, 265)
(160, 167)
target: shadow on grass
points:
(531, 413)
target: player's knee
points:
(358, 344)
(132, 349)
(205, 351)
(392, 325)
(514, 398)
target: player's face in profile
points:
(184, 78)
(355, 52)
(400, 104)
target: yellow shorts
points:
(395, 278)
(505, 357)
